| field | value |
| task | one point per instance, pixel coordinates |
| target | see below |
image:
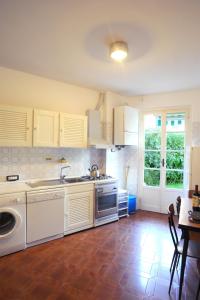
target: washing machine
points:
(12, 223)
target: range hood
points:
(95, 131)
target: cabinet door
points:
(130, 138)
(73, 130)
(15, 126)
(130, 119)
(45, 128)
(78, 211)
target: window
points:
(164, 152)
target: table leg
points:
(183, 262)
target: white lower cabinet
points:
(78, 208)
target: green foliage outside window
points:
(152, 159)
(175, 141)
(174, 179)
(152, 140)
(152, 177)
(174, 159)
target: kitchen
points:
(46, 86)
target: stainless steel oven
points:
(106, 203)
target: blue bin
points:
(131, 204)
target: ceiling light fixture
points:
(119, 51)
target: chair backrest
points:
(198, 265)
(171, 210)
(178, 205)
(172, 228)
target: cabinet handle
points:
(163, 162)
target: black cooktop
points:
(101, 177)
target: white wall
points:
(23, 89)
(182, 98)
(123, 164)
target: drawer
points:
(123, 212)
(122, 205)
(122, 198)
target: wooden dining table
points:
(190, 231)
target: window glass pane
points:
(175, 145)
(152, 140)
(152, 177)
(175, 160)
(175, 140)
(152, 122)
(152, 125)
(174, 179)
(152, 159)
(175, 122)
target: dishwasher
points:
(45, 215)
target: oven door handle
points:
(114, 192)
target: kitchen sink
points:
(73, 180)
(55, 182)
(45, 183)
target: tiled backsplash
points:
(121, 163)
(32, 163)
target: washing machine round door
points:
(9, 222)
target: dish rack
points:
(122, 203)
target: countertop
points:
(13, 187)
(22, 186)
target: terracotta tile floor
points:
(128, 259)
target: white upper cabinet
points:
(73, 130)
(15, 126)
(46, 128)
(130, 119)
(18, 127)
(125, 125)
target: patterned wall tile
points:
(31, 163)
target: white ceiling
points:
(68, 40)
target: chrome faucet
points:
(62, 177)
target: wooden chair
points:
(193, 246)
(198, 290)
(172, 228)
(178, 205)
